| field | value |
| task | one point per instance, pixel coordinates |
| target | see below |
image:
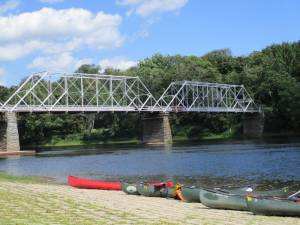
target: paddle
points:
(293, 195)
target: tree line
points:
(271, 76)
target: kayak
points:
(219, 200)
(94, 184)
(191, 194)
(273, 207)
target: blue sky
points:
(60, 35)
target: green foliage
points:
(89, 69)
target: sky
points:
(60, 35)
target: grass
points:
(63, 142)
(227, 135)
(34, 204)
(21, 204)
(19, 179)
(76, 140)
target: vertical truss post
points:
(97, 92)
(111, 92)
(66, 90)
(81, 91)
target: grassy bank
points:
(4, 177)
(78, 140)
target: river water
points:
(226, 164)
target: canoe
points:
(191, 194)
(94, 184)
(218, 200)
(104, 185)
(132, 189)
(171, 192)
(282, 193)
(150, 190)
(273, 207)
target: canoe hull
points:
(151, 190)
(272, 207)
(191, 194)
(94, 184)
(130, 189)
(222, 201)
(282, 193)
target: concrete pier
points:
(253, 124)
(156, 129)
(9, 135)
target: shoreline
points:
(40, 203)
(176, 140)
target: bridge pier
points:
(253, 124)
(156, 128)
(9, 135)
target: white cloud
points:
(120, 63)
(51, 1)
(13, 51)
(149, 7)
(8, 6)
(67, 30)
(62, 62)
(2, 74)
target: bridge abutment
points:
(9, 135)
(156, 128)
(253, 124)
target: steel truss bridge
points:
(77, 92)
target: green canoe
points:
(273, 207)
(152, 191)
(282, 193)
(130, 189)
(219, 200)
(171, 192)
(191, 194)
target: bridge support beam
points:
(156, 128)
(253, 124)
(9, 135)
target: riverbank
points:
(31, 202)
(78, 140)
(207, 138)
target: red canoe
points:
(105, 185)
(94, 184)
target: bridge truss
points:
(193, 96)
(77, 92)
(56, 92)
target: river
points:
(226, 164)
